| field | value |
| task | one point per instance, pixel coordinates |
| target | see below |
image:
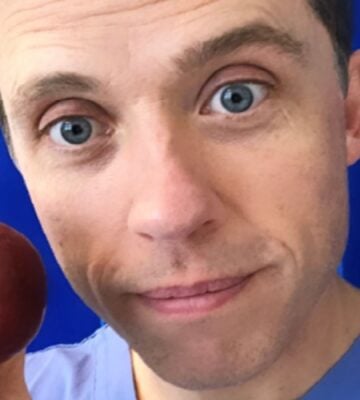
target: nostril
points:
(145, 236)
(209, 225)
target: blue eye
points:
(237, 98)
(73, 130)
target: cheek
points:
(313, 196)
(292, 186)
(75, 212)
(80, 226)
(307, 208)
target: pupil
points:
(236, 97)
(77, 129)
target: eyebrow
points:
(256, 33)
(196, 56)
(48, 86)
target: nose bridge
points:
(174, 199)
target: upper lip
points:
(195, 289)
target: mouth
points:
(200, 298)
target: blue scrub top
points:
(99, 368)
(342, 382)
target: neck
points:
(319, 344)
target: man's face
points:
(190, 159)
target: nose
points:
(174, 204)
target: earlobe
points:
(352, 105)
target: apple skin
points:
(22, 292)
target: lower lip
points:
(196, 304)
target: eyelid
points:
(71, 108)
(52, 123)
(241, 73)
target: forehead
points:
(108, 36)
(143, 11)
(73, 22)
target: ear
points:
(352, 109)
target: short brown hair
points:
(336, 15)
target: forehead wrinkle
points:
(23, 19)
(56, 16)
(19, 18)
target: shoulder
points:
(78, 371)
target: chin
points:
(222, 364)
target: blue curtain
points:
(351, 262)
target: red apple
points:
(22, 292)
